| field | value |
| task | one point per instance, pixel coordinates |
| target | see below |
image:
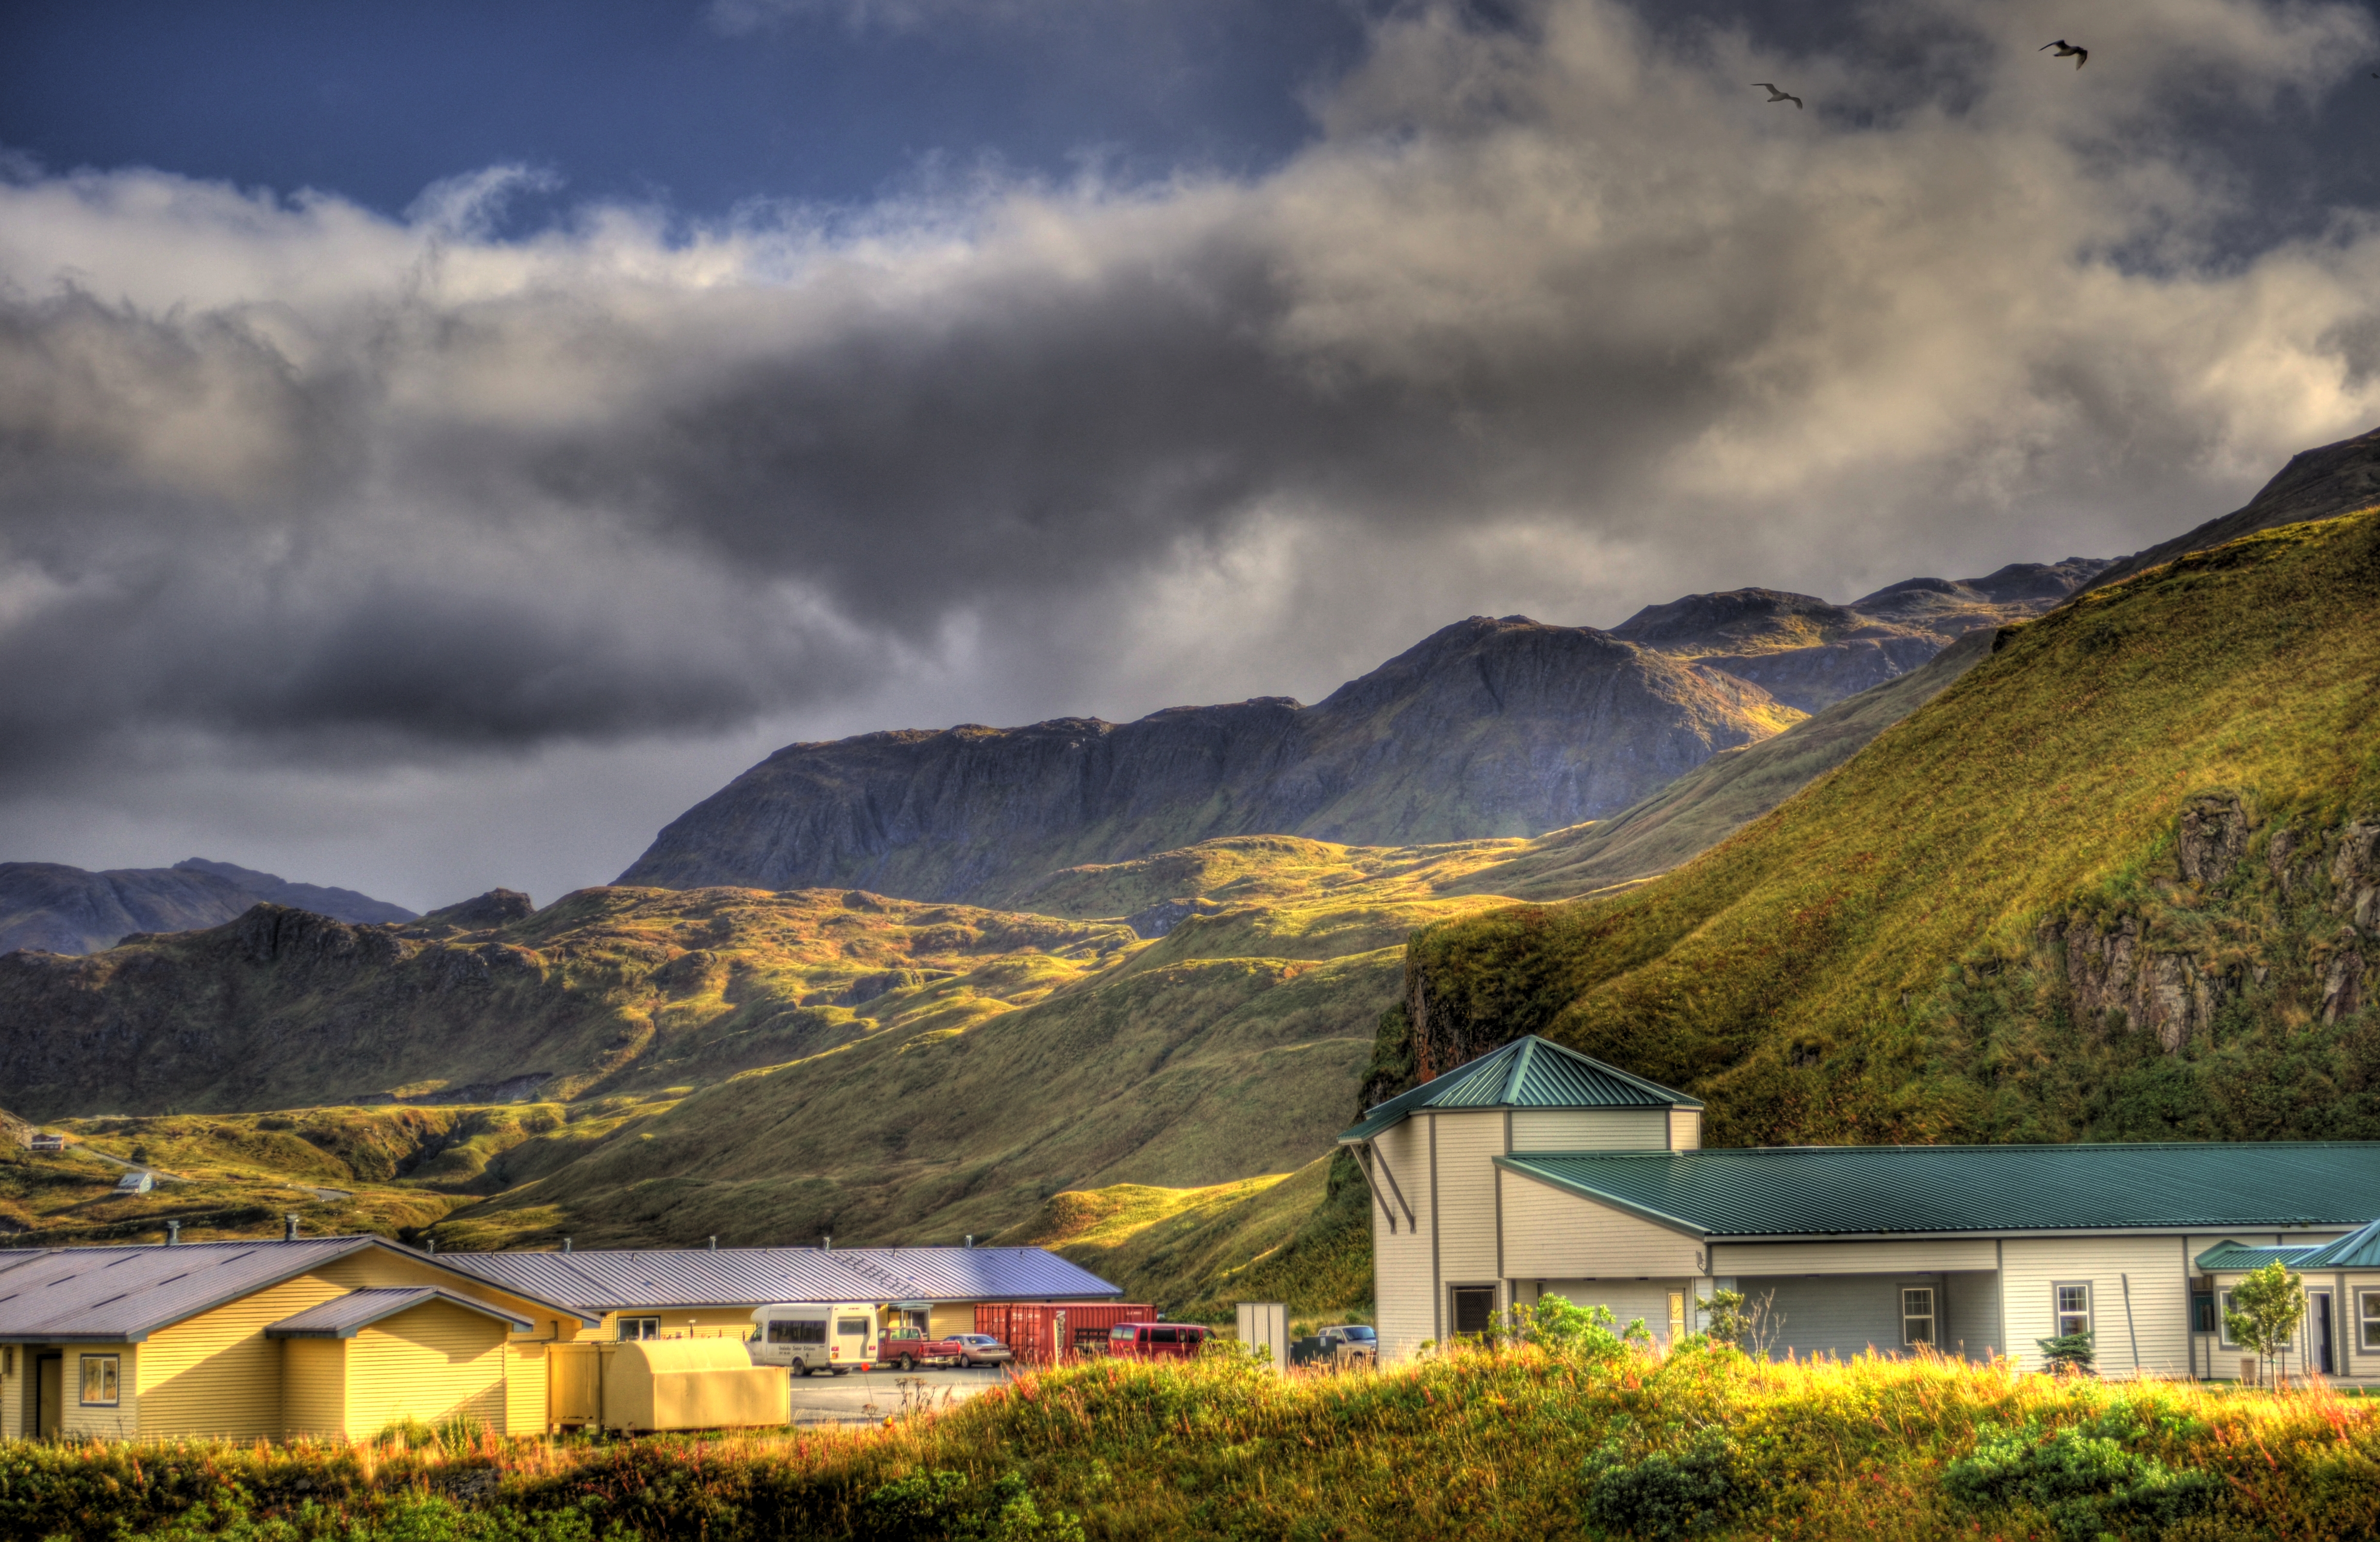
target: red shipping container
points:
(1049, 1332)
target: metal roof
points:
(346, 1316)
(611, 1282)
(123, 1294)
(1529, 1072)
(1886, 1190)
(2238, 1258)
(2355, 1250)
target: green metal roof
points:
(2355, 1250)
(1884, 1190)
(2238, 1258)
(1529, 1072)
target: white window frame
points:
(111, 1378)
(620, 1329)
(2223, 1320)
(2058, 1313)
(1931, 1317)
(2367, 1318)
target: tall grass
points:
(1490, 1443)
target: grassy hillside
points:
(2116, 880)
(1518, 1443)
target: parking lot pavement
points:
(872, 1397)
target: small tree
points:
(2266, 1308)
(2068, 1354)
(1729, 1320)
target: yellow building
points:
(329, 1336)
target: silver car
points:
(982, 1349)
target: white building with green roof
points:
(1536, 1171)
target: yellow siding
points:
(696, 1322)
(1550, 1233)
(525, 1368)
(314, 1389)
(1686, 1129)
(1468, 1144)
(14, 1387)
(434, 1362)
(1590, 1129)
(120, 1423)
(217, 1373)
(1945, 1256)
(1403, 1284)
(375, 1268)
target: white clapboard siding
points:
(2160, 1317)
(1921, 1257)
(1971, 1320)
(1550, 1233)
(1468, 1144)
(1404, 1260)
(1628, 1300)
(1590, 1129)
(1686, 1129)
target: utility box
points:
(653, 1384)
(1264, 1325)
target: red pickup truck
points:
(909, 1351)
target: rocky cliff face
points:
(70, 910)
(1489, 727)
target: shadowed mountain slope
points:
(71, 910)
(1489, 727)
(2315, 484)
(2116, 882)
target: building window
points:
(2073, 1302)
(1474, 1309)
(1917, 1314)
(2223, 1317)
(2202, 1313)
(640, 1328)
(2368, 1311)
(99, 1380)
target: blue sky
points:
(681, 102)
(447, 441)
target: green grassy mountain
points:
(2116, 882)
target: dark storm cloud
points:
(1556, 309)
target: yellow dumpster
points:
(689, 1384)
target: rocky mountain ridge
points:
(62, 909)
(1489, 727)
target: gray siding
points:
(1846, 1314)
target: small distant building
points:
(329, 1336)
(42, 1143)
(139, 1181)
(705, 1292)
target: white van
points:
(807, 1336)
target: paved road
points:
(872, 1397)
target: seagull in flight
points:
(2082, 55)
(1775, 95)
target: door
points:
(1475, 1310)
(2318, 1324)
(50, 1394)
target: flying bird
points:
(1775, 95)
(2082, 55)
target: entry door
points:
(1474, 1309)
(2318, 1324)
(50, 1394)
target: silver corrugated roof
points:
(123, 1294)
(611, 1282)
(346, 1316)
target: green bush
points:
(2084, 1477)
(926, 1506)
(1687, 1493)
